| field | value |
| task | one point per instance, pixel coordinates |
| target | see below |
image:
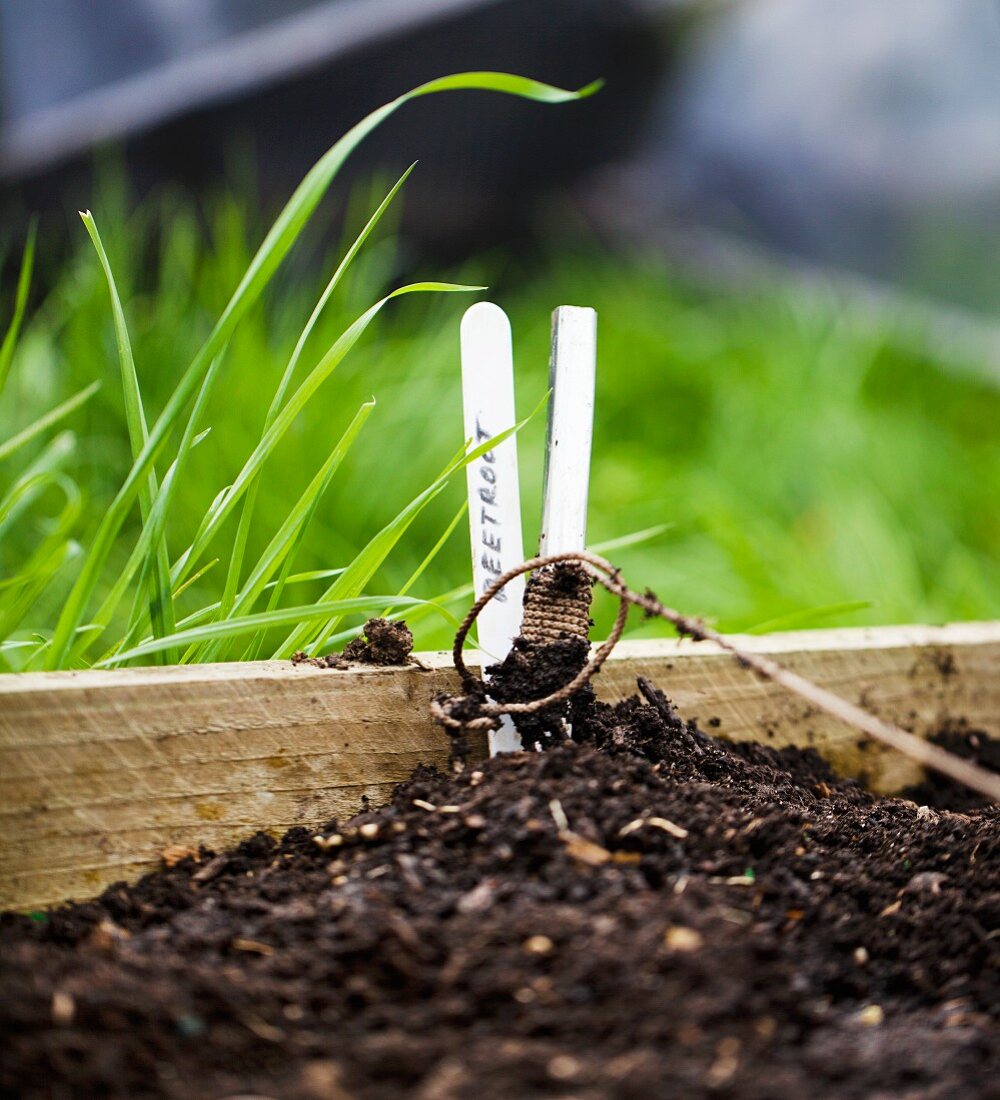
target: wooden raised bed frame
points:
(100, 771)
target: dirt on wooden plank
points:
(381, 642)
(648, 914)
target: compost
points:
(648, 913)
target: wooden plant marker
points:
(494, 491)
(572, 373)
(572, 377)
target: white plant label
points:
(494, 492)
(572, 372)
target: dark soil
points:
(540, 665)
(652, 914)
(381, 642)
(530, 672)
(945, 794)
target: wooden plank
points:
(99, 771)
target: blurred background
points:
(787, 213)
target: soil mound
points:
(649, 914)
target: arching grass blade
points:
(161, 607)
(249, 624)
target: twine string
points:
(475, 711)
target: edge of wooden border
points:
(100, 770)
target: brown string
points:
(475, 711)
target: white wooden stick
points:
(572, 374)
(572, 370)
(494, 492)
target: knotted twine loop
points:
(550, 611)
(475, 711)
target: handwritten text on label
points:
(490, 529)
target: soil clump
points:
(641, 914)
(382, 642)
(552, 648)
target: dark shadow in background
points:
(485, 158)
(858, 138)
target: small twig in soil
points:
(656, 698)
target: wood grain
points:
(99, 771)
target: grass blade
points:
(635, 538)
(161, 607)
(249, 624)
(508, 83)
(21, 591)
(246, 516)
(209, 612)
(9, 345)
(43, 423)
(61, 526)
(435, 549)
(195, 577)
(45, 566)
(282, 545)
(808, 617)
(34, 480)
(331, 286)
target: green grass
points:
(79, 630)
(814, 467)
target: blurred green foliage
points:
(808, 460)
